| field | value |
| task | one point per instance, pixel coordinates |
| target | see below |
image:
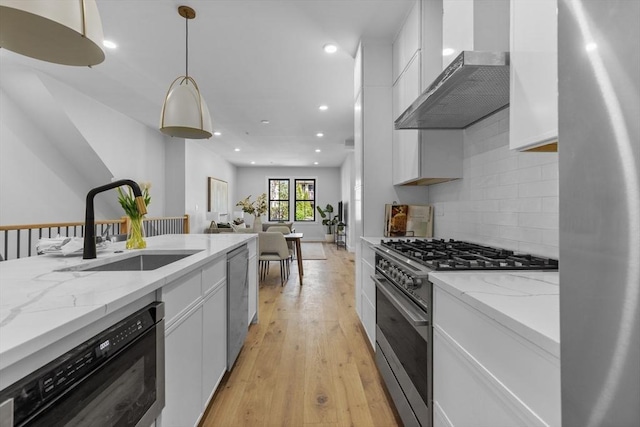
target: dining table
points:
(295, 238)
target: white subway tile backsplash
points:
(538, 220)
(550, 171)
(502, 192)
(510, 177)
(506, 198)
(538, 189)
(532, 174)
(550, 204)
(500, 218)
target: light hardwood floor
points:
(307, 362)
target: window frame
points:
(296, 200)
(287, 200)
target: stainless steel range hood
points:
(474, 86)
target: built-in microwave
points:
(115, 378)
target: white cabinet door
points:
(252, 277)
(406, 142)
(533, 113)
(183, 371)
(214, 341)
(408, 41)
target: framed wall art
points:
(217, 195)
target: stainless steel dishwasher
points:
(237, 302)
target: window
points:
(278, 200)
(305, 199)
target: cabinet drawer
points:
(526, 370)
(214, 274)
(465, 396)
(368, 254)
(181, 295)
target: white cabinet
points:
(406, 143)
(407, 43)
(196, 337)
(183, 371)
(533, 112)
(368, 293)
(486, 374)
(252, 278)
(421, 157)
(214, 341)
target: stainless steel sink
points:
(138, 262)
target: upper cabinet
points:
(533, 113)
(421, 157)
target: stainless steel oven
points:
(115, 378)
(404, 352)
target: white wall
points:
(506, 198)
(254, 181)
(200, 163)
(56, 144)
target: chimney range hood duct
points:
(474, 86)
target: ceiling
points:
(253, 60)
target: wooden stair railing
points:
(18, 241)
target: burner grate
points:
(459, 255)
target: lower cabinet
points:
(368, 293)
(252, 277)
(214, 341)
(195, 342)
(183, 372)
(484, 374)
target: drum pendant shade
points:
(65, 32)
(185, 113)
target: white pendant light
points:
(63, 32)
(184, 112)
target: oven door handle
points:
(405, 306)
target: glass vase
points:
(135, 234)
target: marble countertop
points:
(527, 302)
(40, 305)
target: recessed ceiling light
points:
(448, 51)
(323, 108)
(236, 149)
(253, 163)
(330, 48)
(315, 163)
(318, 150)
(319, 134)
(264, 122)
(216, 133)
(109, 44)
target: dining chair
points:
(273, 247)
(284, 230)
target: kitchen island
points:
(44, 311)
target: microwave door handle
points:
(403, 305)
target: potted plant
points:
(328, 220)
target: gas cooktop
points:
(459, 255)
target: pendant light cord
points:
(186, 23)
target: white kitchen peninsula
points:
(45, 312)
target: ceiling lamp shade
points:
(63, 32)
(185, 113)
